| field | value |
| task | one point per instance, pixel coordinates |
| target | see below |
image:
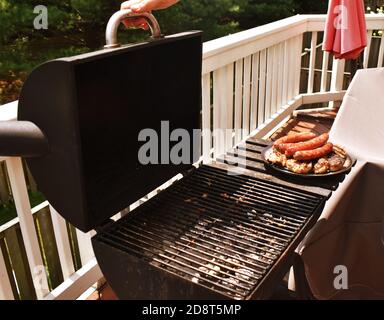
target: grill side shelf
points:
(251, 150)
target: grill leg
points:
(302, 289)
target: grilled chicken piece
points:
(336, 163)
(277, 158)
(321, 166)
(340, 151)
(299, 166)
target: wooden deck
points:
(317, 122)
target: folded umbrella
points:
(345, 34)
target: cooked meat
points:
(285, 142)
(321, 166)
(307, 145)
(336, 163)
(340, 151)
(277, 158)
(299, 166)
(315, 153)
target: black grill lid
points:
(92, 107)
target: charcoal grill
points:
(211, 234)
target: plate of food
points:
(307, 155)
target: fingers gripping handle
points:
(119, 17)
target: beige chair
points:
(350, 231)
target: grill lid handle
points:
(22, 139)
(118, 17)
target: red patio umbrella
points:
(345, 31)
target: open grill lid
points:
(91, 108)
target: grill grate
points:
(219, 231)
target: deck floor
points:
(317, 122)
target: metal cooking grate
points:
(219, 231)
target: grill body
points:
(208, 236)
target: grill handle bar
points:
(119, 17)
(22, 139)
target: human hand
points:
(139, 6)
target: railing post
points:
(381, 52)
(337, 74)
(62, 242)
(27, 225)
(85, 246)
(337, 79)
(367, 49)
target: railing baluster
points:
(255, 91)
(220, 107)
(246, 94)
(262, 86)
(62, 242)
(297, 65)
(228, 106)
(206, 113)
(286, 73)
(291, 69)
(27, 226)
(312, 63)
(324, 71)
(274, 80)
(218, 139)
(381, 52)
(5, 285)
(268, 90)
(280, 63)
(238, 99)
(367, 49)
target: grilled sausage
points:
(313, 154)
(285, 142)
(307, 145)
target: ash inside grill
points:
(217, 231)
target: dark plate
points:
(266, 152)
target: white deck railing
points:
(251, 84)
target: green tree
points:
(305, 6)
(256, 12)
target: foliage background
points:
(77, 26)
